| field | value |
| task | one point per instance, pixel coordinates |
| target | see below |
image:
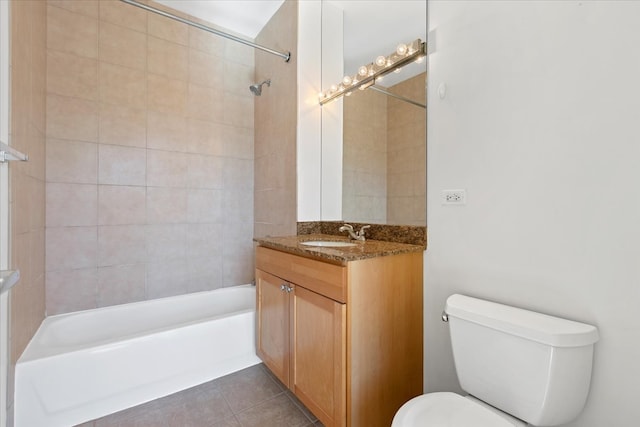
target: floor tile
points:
(248, 398)
(279, 411)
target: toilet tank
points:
(533, 366)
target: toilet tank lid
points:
(549, 330)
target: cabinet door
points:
(272, 311)
(319, 355)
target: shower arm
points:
(285, 55)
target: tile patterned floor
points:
(252, 397)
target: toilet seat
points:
(448, 410)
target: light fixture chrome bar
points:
(285, 55)
(8, 153)
(393, 95)
(417, 49)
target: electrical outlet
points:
(454, 197)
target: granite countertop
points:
(341, 255)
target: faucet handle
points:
(361, 232)
(346, 227)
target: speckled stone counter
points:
(341, 255)
(410, 234)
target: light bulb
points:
(340, 87)
(334, 88)
(371, 72)
(363, 70)
(321, 95)
(401, 49)
(381, 61)
(347, 80)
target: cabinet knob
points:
(283, 287)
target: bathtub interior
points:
(82, 382)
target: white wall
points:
(541, 126)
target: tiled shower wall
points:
(149, 168)
(275, 127)
(26, 179)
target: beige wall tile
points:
(72, 75)
(205, 137)
(205, 171)
(72, 161)
(207, 70)
(71, 204)
(121, 165)
(167, 95)
(166, 205)
(204, 240)
(120, 284)
(205, 206)
(122, 86)
(116, 12)
(238, 206)
(72, 32)
(85, 7)
(166, 132)
(205, 103)
(72, 118)
(167, 278)
(239, 142)
(120, 125)
(71, 290)
(122, 46)
(168, 29)
(205, 274)
(167, 59)
(166, 242)
(71, 248)
(238, 78)
(238, 110)
(121, 244)
(121, 205)
(167, 169)
(240, 53)
(206, 42)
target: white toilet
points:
(518, 367)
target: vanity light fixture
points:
(368, 74)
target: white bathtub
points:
(81, 366)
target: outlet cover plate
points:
(454, 197)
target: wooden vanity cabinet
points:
(345, 339)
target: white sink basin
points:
(327, 244)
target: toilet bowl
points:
(518, 367)
(446, 409)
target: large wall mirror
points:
(382, 128)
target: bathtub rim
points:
(26, 356)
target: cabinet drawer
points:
(326, 279)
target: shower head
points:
(256, 89)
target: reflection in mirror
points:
(384, 156)
(384, 138)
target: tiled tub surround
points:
(149, 166)
(81, 366)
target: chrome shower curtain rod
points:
(285, 55)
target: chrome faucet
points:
(355, 235)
